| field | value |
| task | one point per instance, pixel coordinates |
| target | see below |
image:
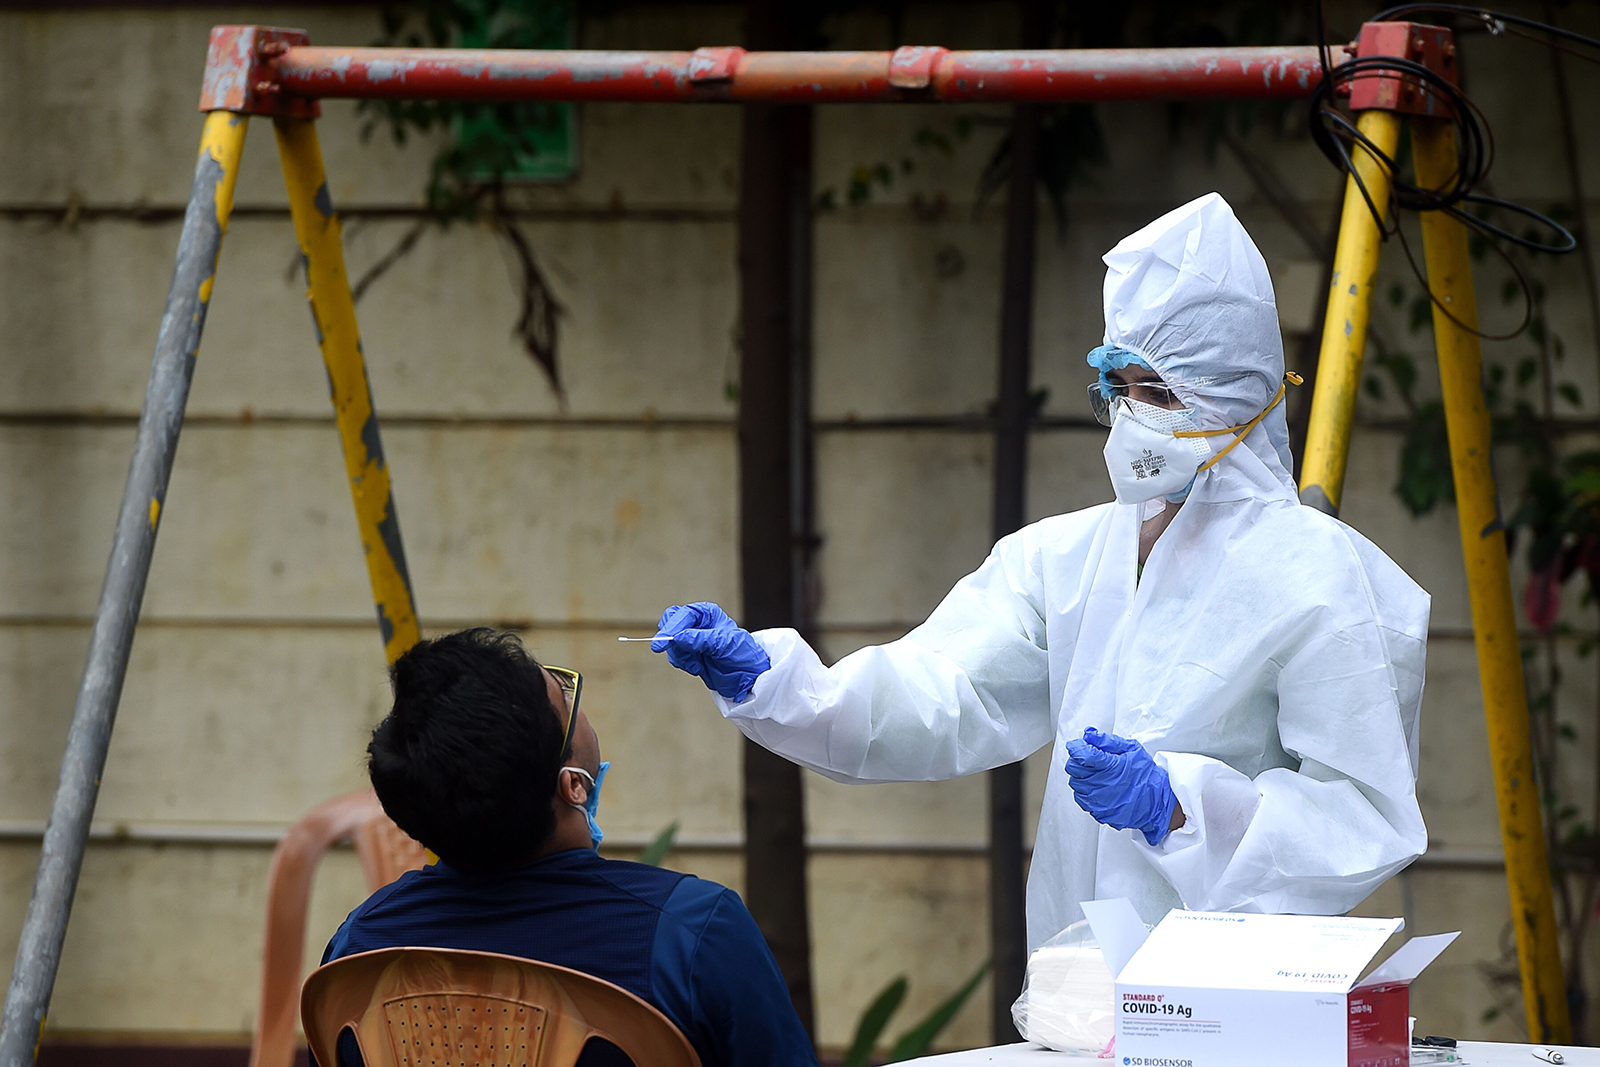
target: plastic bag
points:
(1068, 1000)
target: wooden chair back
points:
(423, 1007)
(385, 853)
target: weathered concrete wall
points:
(258, 671)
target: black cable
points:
(1488, 228)
(1474, 141)
(1585, 56)
(1475, 146)
(1522, 283)
(1335, 134)
(1487, 17)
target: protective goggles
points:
(1103, 397)
(1104, 394)
(571, 683)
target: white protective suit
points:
(1269, 657)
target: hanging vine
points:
(486, 149)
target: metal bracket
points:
(912, 66)
(1432, 46)
(714, 64)
(242, 72)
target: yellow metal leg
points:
(1344, 329)
(333, 312)
(222, 138)
(1494, 623)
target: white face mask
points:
(1144, 459)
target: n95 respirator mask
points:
(1143, 457)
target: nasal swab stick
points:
(663, 637)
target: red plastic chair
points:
(385, 853)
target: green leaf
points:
(657, 850)
(1508, 291)
(1397, 294)
(1425, 476)
(872, 1023)
(1421, 312)
(915, 1041)
(1402, 368)
(1374, 387)
(1582, 482)
(1526, 370)
(1569, 392)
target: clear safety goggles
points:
(1103, 397)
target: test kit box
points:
(1207, 989)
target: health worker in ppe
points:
(1231, 680)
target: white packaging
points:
(1236, 990)
(1067, 1001)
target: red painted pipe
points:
(731, 74)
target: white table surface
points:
(1474, 1053)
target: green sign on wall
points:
(545, 148)
(526, 142)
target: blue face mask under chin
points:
(591, 803)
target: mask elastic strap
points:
(588, 788)
(1290, 378)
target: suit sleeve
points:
(1319, 838)
(966, 691)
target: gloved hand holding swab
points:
(702, 640)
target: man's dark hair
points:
(466, 761)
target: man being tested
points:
(1231, 680)
(487, 760)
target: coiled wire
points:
(1336, 135)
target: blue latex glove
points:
(702, 640)
(1115, 780)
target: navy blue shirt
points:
(687, 946)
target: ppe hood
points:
(1191, 294)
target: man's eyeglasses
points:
(571, 683)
